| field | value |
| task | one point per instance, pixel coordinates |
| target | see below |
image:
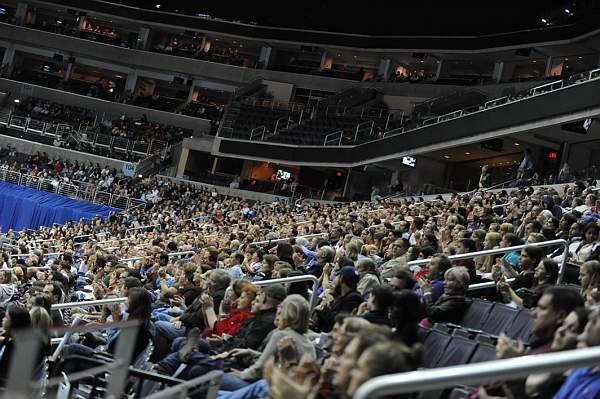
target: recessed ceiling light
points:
(533, 61)
(567, 11)
(517, 144)
(447, 156)
(544, 20)
(467, 153)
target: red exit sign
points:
(553, 155)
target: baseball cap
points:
(275, 291)
(349, 274)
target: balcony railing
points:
(78, 190)
(57, 130)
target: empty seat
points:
(521, 326)
(483, 353)
(500, 319)
(458, 351)
(476, 314)
(434, 345)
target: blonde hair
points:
(535, 237)
(294, 313)
(40, 318)
(460, 275)
(506, 228)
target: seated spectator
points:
(292, 324)
(545, 275)
(589, 276)
(584, 382)
(344, 298)
(15, 319)
(451, 306)
(376, 309)
(588, 245)
(369, 276)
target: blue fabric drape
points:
(22, 207)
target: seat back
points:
(422, 333)
(458, 351)
(434, 345)
(521, 326)
(500, 319)
(571, 274)
(476, 314)
(483, 353)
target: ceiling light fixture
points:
(517, 144)
(544, 20)
(467, 153)
(157, 6)
(447, 156)
(567, 11)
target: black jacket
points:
(447, 309)
(252, 331)
(344, 304)
(194, 315)
(377, 317)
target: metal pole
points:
(347, 181)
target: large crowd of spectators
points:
(202, 312)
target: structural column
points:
(7, 60)
(265, 57)
(438, 71)
(325, 61)
(384, 69)
(20, 13)
(183, 158)
(131, 80)
(498, 70)
(347, 182)
(548, 70)
(143, 38)
(69, 71)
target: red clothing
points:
(230, 325)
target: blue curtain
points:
(22, 207)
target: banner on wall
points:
(129, 169)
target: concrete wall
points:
(279, 90)
(199, 126)
(29, 147)
(403, 103)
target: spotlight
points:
(157, 6)
(16, 101)
(567, 11)
(544, 20)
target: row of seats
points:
(442, 349)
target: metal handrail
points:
(478, 373)
(532, 93)
(470, 255)
(97, 302)
(143, 227)
(308, 277)
(169, 254)
(260, 133)
(276, 240)
(327, 139)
